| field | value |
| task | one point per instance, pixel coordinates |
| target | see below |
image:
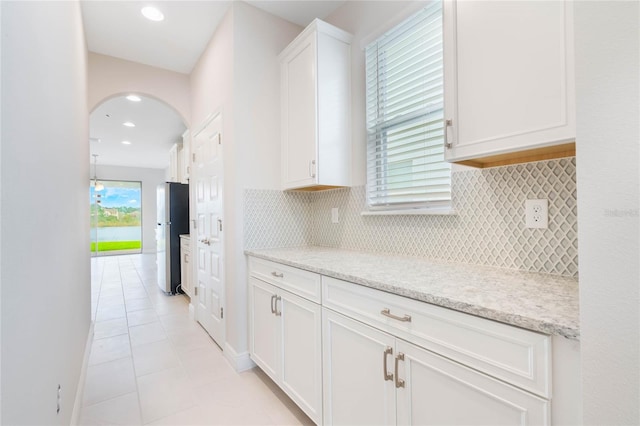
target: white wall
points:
(607, 77)
(0, 214)
(365, 20)
(212, 93)
(238, 75)
(45, 213)
(211, 81)
(150, 179)
(258, 39)
(109, 76)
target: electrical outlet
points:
(537, 213)
(334, 215)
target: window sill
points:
(441, 211)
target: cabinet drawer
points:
(517, 356)
(303, 283)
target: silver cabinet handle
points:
(387, 376)
(447, 123)
(387, 313)
(399, 381)
(273, 309)
(278, 275)
(205, 241)
(278, 313)
(312, 169)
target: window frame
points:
(377, 165)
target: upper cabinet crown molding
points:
(316, 109)
(509, 81)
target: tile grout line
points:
(126, 316)
(142, 420)
(95, 320)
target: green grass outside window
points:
(116, 245)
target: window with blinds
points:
(405, 152)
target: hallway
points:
(151, 364)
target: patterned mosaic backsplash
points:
(277, 219)
(488, 227)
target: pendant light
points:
(97, 186)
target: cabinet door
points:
(186, 156)
(301, 351)
(264, 327)
(185, 276)
(356, 391)
(299, 115)
(509, 76)
(438, 391)
(173, 164)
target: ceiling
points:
(117, 28)
(157, 128)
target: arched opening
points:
(131, 136)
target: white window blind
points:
(405, 152)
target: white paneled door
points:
(209, 257)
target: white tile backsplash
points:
(488, 227)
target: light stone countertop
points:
(535, 301)
(185, 236)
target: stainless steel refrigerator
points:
(173, 220)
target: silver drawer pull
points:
(387, 351)
(387, 313)
(447, 124)
(278, 275)
(277, 312)
(399, 381)
(312, 166)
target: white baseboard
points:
(77, 405)
(240, 362)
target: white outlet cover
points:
(537, 213)
(334, 215)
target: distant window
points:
(405, 147)
(116, 216)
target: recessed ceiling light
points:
(128, 124)
(126, 143)
(152, 13)
(134, 98)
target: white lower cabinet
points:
(374, 378)
(185, 265)
(265, 328)
(432, 390)
(286, 343)
(355, 390)
(352, 355)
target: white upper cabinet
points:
(175, 158)
(186, 156)
(509, 81)
(316, 109)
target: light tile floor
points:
(151, 364)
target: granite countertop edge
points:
(522, 321)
